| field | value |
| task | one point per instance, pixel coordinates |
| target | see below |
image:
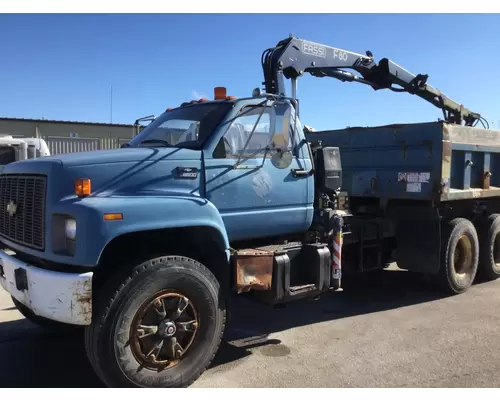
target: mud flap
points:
(418, 235)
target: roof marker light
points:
(220, 93)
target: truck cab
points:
(231, 177)
(198, 184)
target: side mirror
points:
(282, 158)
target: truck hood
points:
(127, 154)
(120, 172)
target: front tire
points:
(161, 327)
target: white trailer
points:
(18, 149)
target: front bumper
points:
(59, 296)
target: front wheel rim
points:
(163, 330)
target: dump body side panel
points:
(392, 162)
(471, 163)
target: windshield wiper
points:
(164, 142)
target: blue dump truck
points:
(142, 247)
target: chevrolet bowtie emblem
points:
(11, 208)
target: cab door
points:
(251, 177)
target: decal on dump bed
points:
(414, 180)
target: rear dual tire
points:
(459, 256)
(468, 253)
(141, 313)
(489, 256)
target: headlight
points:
(70, 228)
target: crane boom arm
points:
(292, 57)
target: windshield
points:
(186, 127)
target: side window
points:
(239, 132)
(274, 129)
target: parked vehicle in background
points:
(18, 149)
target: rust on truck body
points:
(254, 269)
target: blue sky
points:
(62, 66)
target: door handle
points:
(301, 172)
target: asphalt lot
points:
(389, 330)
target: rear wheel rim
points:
(163, 330)
(463, 260)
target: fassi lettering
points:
(314, 50)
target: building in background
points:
(69, 136)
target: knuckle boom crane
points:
(292, 57)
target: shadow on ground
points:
(32, 357)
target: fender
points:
(140, 213)
(146, 214)
(149, 213)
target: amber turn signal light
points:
(82, 187)
(113, 217)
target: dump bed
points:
(423, 161)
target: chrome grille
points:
(22, 209)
